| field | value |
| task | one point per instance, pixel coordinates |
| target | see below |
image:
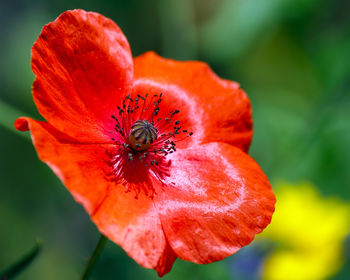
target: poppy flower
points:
(154, 149)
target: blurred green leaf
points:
(22, 264)
(8, 115)
(240, 24)
(177, 17)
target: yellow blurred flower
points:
(310, 231)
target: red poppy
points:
(154, 149)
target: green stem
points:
(95, 255)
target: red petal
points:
(173, 98)
(227, 109)
(166, 262)
(69, 160)
(83, 65)
(216, 200)
(132, 223)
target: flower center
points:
(143, 140)
(142, 135)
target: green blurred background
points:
(291, 56)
